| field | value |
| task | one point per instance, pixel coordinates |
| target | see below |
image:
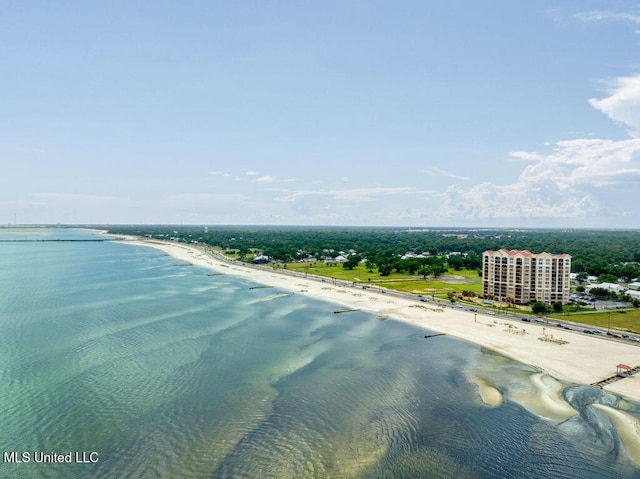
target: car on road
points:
(525, 319)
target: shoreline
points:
(582, 360)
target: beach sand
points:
(583, 359)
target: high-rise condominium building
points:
(523, 277)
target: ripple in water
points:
(174, 373)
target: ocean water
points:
(150, 367)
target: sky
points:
(454, 113)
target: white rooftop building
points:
(616, 288)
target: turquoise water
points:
(165, 371)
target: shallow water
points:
(165, 371)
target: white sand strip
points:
(585, 359)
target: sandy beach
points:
(566, 355)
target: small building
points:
(633, 293)
(616, 288)
(260, 259)
(623, 370)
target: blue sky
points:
(407, 113)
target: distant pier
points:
(56, 240)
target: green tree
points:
(437, 269)
(599, 292)
(352, 262)
(243, 252)
(425, 271)
(539, 308)
(455, 261)
(608, 278)
(557, 307)
(385, 269)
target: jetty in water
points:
(100, 240)
(622, 371)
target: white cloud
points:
(435, 171)
(577, 178)
(349, 195)
(599, 16)
(265, 179)
(251, 173)
(49, 198)
(373, 205)
(574, 178)
(623, 103)
(518, 200)
(219, 173)
(272, 179)
(205, 198)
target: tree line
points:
(596, 252)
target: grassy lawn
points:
(462, 280)
(456, 282)
(622, 320)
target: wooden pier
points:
(622, 371)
